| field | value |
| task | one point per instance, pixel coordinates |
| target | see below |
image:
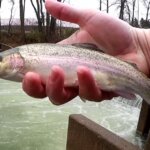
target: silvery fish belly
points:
(110, 73)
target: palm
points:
(110, 34)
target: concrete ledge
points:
(144, 120)
(147, 145)
(84, 134)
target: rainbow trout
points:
(110, 73)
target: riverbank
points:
(32, 35)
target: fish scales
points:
(71, 51)
(110, 73)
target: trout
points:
(110, 73)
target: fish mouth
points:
(4, 66)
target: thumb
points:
(63, 11)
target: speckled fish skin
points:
(110, 73)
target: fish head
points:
(11, 66)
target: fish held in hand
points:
(110, 73)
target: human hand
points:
(110, 34)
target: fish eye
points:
(1, 58)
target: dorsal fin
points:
(132, 64)
(87, 46)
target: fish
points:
(110, 73)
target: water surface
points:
(31, 124)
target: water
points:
(32, 124)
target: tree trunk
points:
(0, 3)
(107, 5)
(47, 26)
(128, 13)
(42, 14)
(22, 12)
(100, 5)
(122, 6)
(11, 16)
(133, 11)
(53, 24)
(37, 12)
(0, 25)
(147, 12)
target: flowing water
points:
(32, 124)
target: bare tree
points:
(0, 3)
(22, 16)
(105, 3)
(128, 12)
(38, 8)
(100, 4)
(130, 7)
(138, 10)
(147, 6)
(53, 22)
(122, 8)
(11, 15)
(47, 25)
(0, 23)
(42, 13)
(133, 11)
(108, 4)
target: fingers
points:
(57, 93)
(87, 86)
(33, 86)
(63, 11)
(55, 89)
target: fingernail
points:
(54, 73)
(81, 70)
(54, 102)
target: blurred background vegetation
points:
(46, 28)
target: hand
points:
(110, 34)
